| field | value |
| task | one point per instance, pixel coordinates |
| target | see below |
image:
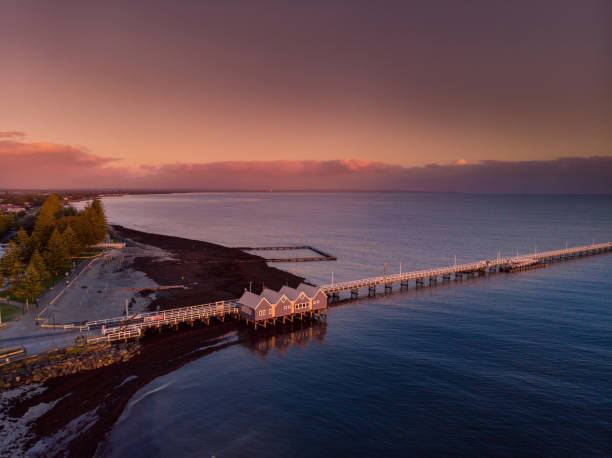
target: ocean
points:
(508, 364)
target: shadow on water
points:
(280, 338)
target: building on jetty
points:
(284, 305)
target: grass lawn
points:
(9, 312)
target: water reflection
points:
(280, 338)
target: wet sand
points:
(76, 412)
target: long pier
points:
(126, 327)
(459, 270)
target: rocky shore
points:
(69, 361)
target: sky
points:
(431, 95)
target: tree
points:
(25, 245)
(6, 220)
(30, 286)
(11, 257)
(16, 271)
(39, 264)
(99, 220)
(72, 241)
(57, 256)
(45, 222)
(70, 211)
(92, 225)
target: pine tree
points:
(39, 264)
(92, 225)
(11, 256)
(25, 245)
(16, 271)
(30, 286)
(45, 222)
(72, 241)
(99, 220)
(57, 256)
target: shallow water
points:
(508, 364)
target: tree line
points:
(59, 234)
(6, 221)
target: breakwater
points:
(57, 363)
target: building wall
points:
(319, 301)
(263, 311)
(245, 311)
(302, 304)
(283, 307)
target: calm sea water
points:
(516, 364)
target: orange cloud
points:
(11, 134)
(47, 165)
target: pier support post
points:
(388, 288)
(433, 280)
(419, 282)
(372, 290)
(403, 285)
(354, 293)
(445, 277)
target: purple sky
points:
(165, 87)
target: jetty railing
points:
(460, 268)
(126, 327)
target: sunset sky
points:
(129, 93)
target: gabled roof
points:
(291, 293)
(250, 300)
(310, 291)
(273, 297)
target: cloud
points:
(46, 165)
(11, 134)
(571, 175)
(50, 165)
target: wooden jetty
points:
(458, 271)
(122, 328)
(266, 310)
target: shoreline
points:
(208, 272)
(79, 410)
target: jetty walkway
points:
(120, 328)
(511, 264)
(126, 327)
